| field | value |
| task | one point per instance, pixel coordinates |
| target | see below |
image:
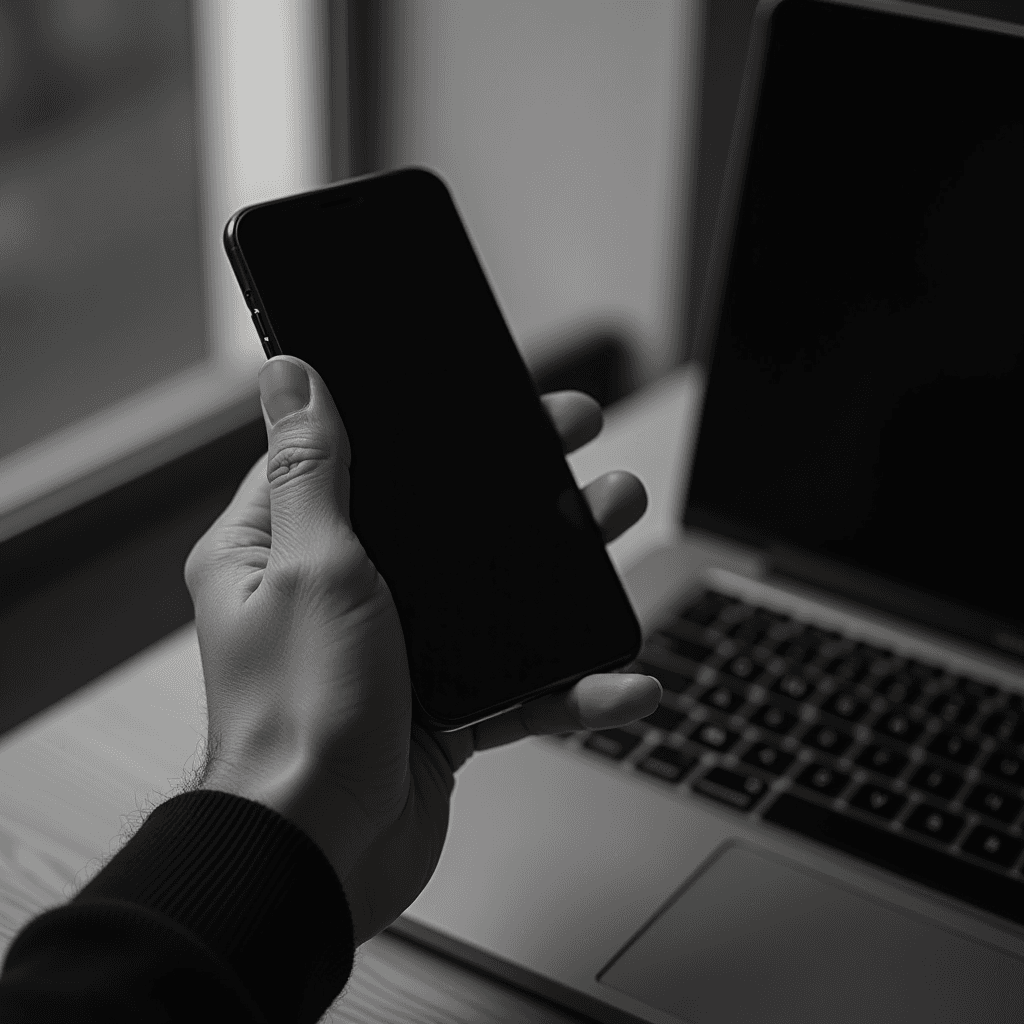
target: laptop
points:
(824, 819)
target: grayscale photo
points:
(509, 511)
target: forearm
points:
(215, 897)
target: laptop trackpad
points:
(756, 938)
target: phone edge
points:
(248, 288)
(561, 685)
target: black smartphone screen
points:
(460, 491)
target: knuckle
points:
(348, 570)
(294, 461)
(342, 571)
(289, 578)
(194, 566)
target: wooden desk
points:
(76, 778)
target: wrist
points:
(292, 795)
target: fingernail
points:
(284, 388)
(634, 704)
(640, 699)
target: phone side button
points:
(258, 324)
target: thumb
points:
(308, 459)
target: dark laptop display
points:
(865, 403)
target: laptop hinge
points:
(912, 606)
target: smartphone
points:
(460, 491)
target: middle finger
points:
(617, 500)
(577, 417)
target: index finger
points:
(245, 522)
(577, 417)
(600, 701)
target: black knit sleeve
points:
(218, 908)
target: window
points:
(130, 130)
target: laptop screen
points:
(865, 399)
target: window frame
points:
(262, 114)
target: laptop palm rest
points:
(752, 937)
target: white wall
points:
(563, 128)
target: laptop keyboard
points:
(885, 757)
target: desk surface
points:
(76, 778)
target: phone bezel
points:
(349, 188)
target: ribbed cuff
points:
(252, 886)
(113, 961)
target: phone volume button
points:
(258, 324)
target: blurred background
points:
(100, 285)
(564, 127)
(584, 141)
(560, 127)
(570, 132)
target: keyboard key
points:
(734, 788)
(902, 854)
(722, 698)
(714, 737)
(953, 709)
(824, 737)
(873, 653)
(664, 718)
(823, 780)
(898, 689)
(878, 801)
(942, 826)
(844, 705)
(1000, 725)
(768, 758)
(882, 759)
(676, 682)
(955, 747)
(777, 617)
(975, 688)
(1016, 737)
(744, 668)
(833, 659)
(705, 609)
(783, 629)
(667, 763)
(1005, 766)
(833, 654)
(993, 845)
(754, 628)
(770, 614)
(768, 716)
(850, 668)
(888, 666)
(798, 650)
(613, 743)
(684, 646)
(920, 672)
(994, 802)
(898, 726)
(933, 778)
(795, 687)
(758, 626)
(819, 637)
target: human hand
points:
(308, 692)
